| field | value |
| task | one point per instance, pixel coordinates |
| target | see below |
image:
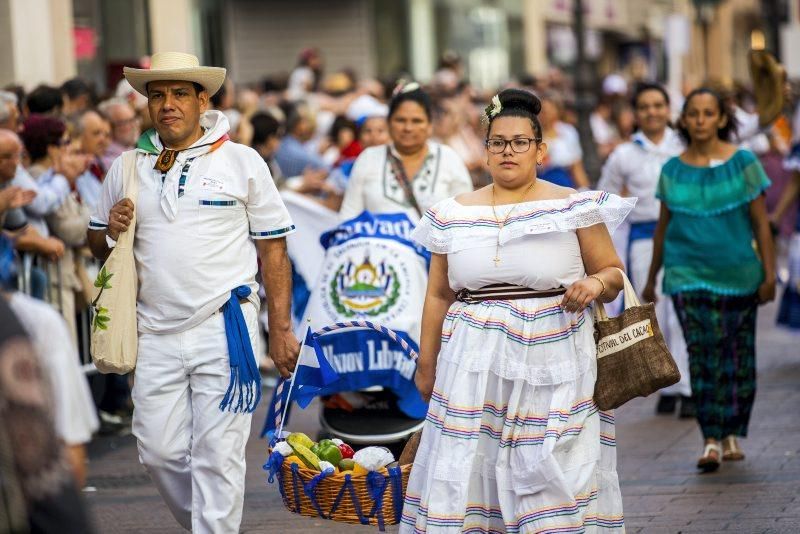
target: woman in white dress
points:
(513, 441)
(411, 173)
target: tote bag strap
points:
(630, 298)
(130, 181)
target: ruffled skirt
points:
(513, 441)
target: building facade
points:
(52, 40)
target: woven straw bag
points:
(114, 331)
(632, 358)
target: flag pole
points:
(291, 383)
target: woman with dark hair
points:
(53, 155)
(712, 208)
(513, 441)
(411, 173)
(633, 168)
(563, 164)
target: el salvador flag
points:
(313, 371)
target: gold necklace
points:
(500, 225)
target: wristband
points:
(601, 283)
(110, 242)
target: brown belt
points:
(505, 292)
(241, 301)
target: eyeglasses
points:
(518, 144)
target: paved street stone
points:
(663, 492)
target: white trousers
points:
(641, 254)
(194, 452)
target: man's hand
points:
(52, 248)
(15, 197)
(284, 350)
(70, 166)
(119, 218)
(313, 180)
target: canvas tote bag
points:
(632, 358)
(114, 331)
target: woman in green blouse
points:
(712, 208)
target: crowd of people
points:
(708, 177)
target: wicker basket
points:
(374, 498)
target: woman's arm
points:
(787, 197)
(438, 299)
(649, 293)
(766, 248)
(579, 176)
(600, 260)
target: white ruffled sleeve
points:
(430, 232)
(579, 210)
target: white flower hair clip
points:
(493, 109)
(405, 87)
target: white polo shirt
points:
(188, 265)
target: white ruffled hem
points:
(450, 227)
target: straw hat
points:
(768, 77)
(175, 66)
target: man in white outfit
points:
(633, 169)
(206, 211)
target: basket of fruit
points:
(329, 480)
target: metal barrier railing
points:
(27, 265)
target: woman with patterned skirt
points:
(712, 208)
(513, 441)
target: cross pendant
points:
(496, 261)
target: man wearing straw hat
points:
(206, 211)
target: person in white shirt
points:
(75, 416)
(411, 173)
(633, 169)
(206, 211)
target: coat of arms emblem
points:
(364, 289)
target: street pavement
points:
(663, 493)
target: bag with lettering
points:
(114, 342)
(632, 358)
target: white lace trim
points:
(450, 227)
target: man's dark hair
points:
(218, 97)
(197, 87)
(264, 127)
(643, 87)
(76, 87)
(44, 100)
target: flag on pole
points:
(313, 371)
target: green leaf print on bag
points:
(101, 317)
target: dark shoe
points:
(666, 404)
(688, 409)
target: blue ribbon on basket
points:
(273, 465)
(376, 486)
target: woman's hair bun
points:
(520, 99)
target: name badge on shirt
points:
(211, 184)
(542, 227)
